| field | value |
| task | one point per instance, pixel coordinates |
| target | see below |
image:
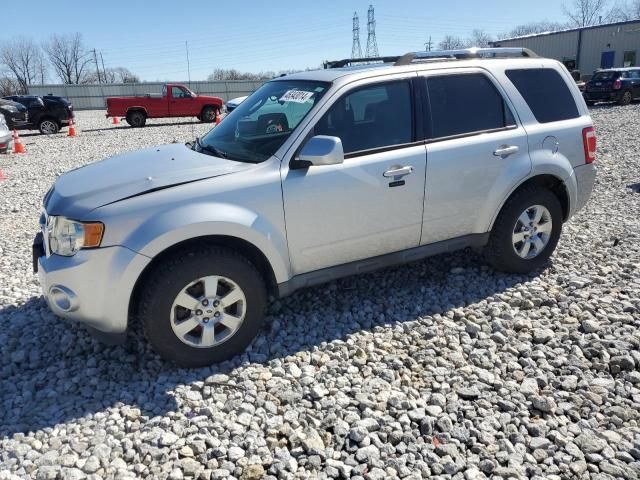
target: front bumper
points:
(93, 287)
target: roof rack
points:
(409, 58)
(346, 62)
(464, 53)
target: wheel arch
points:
(241, 246)
(137, 109)
(549, 181)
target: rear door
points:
(476, 152)
(181, 103)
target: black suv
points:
(620, 85)
(48, 113)
(15, 114)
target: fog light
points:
(63, 298)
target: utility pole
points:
(186, 46)
(356, 50)
(428, 45)
(95, 59)
(372, 43)
(104, 72)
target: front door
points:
(476, 153)
(180, 103)
(607, 59)
(372, 203)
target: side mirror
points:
(321, 150)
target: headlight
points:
(66, 237)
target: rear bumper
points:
(585, 176)
(608, 96)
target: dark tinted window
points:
(464, 104)
(607, 75)
(371, 117)
(546, 93)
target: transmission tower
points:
(372, 43)
(356, 50)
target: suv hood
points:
(131, 174)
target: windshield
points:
(263, 122)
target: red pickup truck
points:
(175, 101)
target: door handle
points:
(505, 150)
(398, 171)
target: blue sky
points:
(251, 35)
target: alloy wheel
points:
(208, 311)
(532, 232)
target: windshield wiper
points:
(210, 149)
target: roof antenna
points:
(186, 46)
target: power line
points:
(356, 50)
(372, 43)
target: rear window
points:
(605, 75)
(546, 93)
(464, 105)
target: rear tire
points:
(203, 332)
(506, 245)
(626, 98)
(136, 119)
(208, 115)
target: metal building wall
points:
(560, 46)
(619, 37)
(92, 97)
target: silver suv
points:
(316, 176)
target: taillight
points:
(617, 85)
(589, 142)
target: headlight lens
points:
(66, 237)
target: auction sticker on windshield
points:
(297, 96)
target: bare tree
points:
(479, 38)
(625, 11)
(22, 59)
(233, 74)
(451, 43)
(69, 58)
(9, 86)
(113, 75)
(582, 13)
(533, 28)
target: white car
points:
(234, 102)
(5, 135)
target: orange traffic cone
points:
(17, 144)
(115, 121)
(72, 129)
(218, 119)
(2, 176)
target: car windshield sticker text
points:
(297, 96)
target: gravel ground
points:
(440, 368)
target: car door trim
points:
(309, 279)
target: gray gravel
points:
(443, 368)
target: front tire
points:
(208, 115)
(47, 126)
(136, 119)
(526, 231)
(203, 306)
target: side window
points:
(177, 92)
(465, 104)
(371, 117)
(546, 93)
